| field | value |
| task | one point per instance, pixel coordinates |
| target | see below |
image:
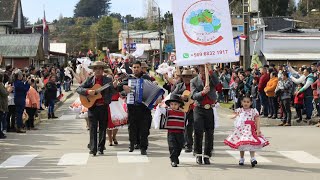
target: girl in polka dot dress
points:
(246, 135)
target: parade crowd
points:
(25, 92)
(188, 112)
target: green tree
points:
(274, 7)
(26, 21)
(118, 16)
(92, 8)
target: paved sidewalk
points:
(66, 95)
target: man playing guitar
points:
(98, 113)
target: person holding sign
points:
(204, 93)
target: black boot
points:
(53, 116)
(49, 116)
(199, 160)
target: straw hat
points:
(98, 64)
(187, 72)
(144, 65)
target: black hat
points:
(272, 65)
(266, 66)
(314, 63)
(174, 98)
(249, 69)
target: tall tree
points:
(26, 21)
(274, 7)
(92, 8)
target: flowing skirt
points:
(118, 115)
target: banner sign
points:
(203, 32)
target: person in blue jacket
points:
(21, 87)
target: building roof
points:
(277, 23)
(8, 10)
(20, 45)
(140, 34)
(292, 56)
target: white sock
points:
(241, 159)
(253, 159)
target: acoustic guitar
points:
(89, 100)
(188, 102)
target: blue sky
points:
(33, 9)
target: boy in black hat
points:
(174, 121)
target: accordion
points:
(174, 120)
(143, 92)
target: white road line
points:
(17, 161)
(73, 159)
(67, 117)
(236, 154)
(186, 157)
(131, 157)
(301, 157)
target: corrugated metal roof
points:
(19, 45)
(7, 9)
(292, 56)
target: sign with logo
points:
(132, 46)
(172, 57)
(203, 32)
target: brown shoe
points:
(20, 131)
(282, 124)
(287, 124)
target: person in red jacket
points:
(262, 95)
(298, 102)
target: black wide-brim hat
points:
(174, 98)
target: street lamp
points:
(160, 31)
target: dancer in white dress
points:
(246, 135)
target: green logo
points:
(186, 55)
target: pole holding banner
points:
(203, 32)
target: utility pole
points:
(128, 42)
(160, 35)
(246, 25)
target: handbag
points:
(25, 117)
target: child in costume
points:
(174, 120)
(246, 135)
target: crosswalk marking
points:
(17, 161)
(186, 157)
(73, 159)
(131, 157)
(301, 157)
(259, 158)
(68, 117)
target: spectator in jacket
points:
(32, 104)
(254, 95)
(21, 87)
(298, 102)
(262, 95)
(316, 92)
(308, 96)
(240, 92)
(248, 80)
(225, 80)
(50, 96)
(3, 105)
(285, 98)
(270, 92)
(11, 115)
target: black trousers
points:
(188, 133)
(273, 106)
(138, 119)
(285, 103)
(299, 108)
(175, 143)
(203, 124)
(31, 112)
(11, 117)
(138, 131)
(98, 115)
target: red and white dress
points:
(77, 107)
(117, 115)
(244, 136)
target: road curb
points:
(274, 122)
(43, 114)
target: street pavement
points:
(58, 151)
